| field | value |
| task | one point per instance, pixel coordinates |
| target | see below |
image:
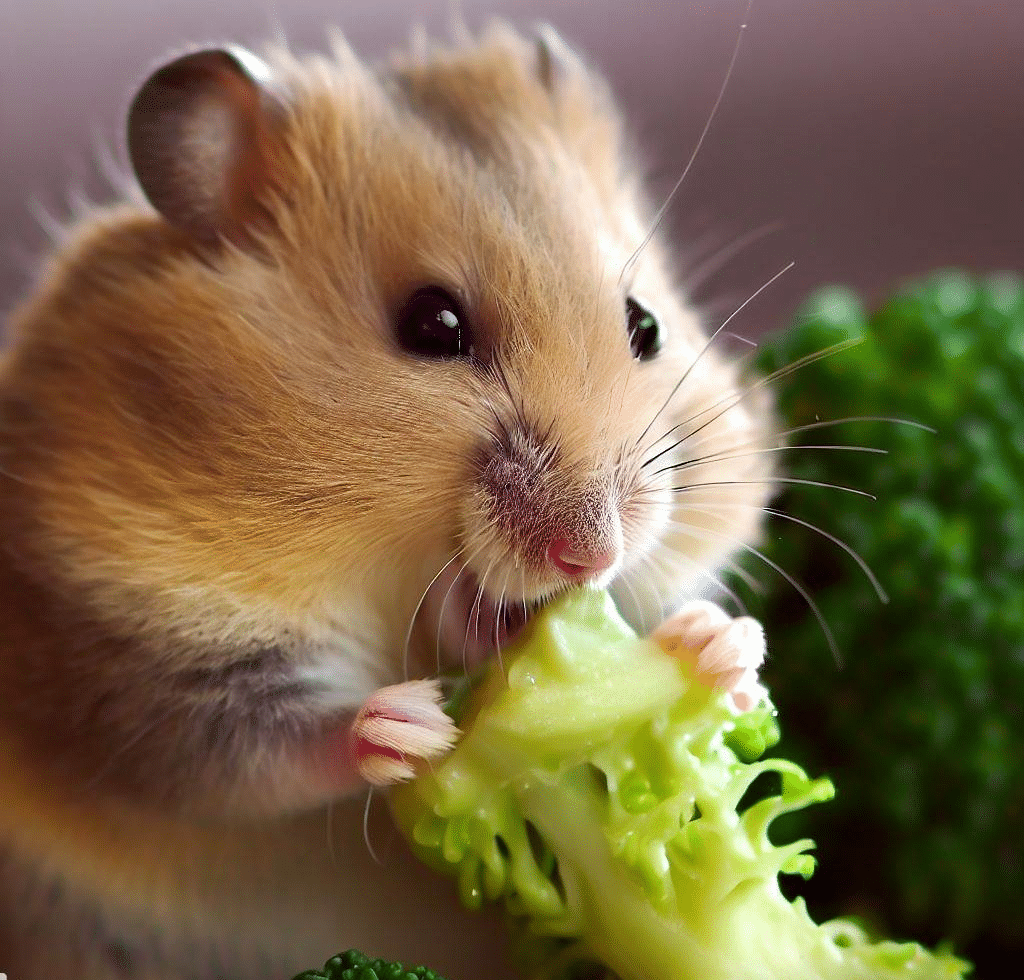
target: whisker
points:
(497, 623)
(747, 578)
(784, 433)
(826, 423)
(851, 551)
(743, 340)
(472, 621)
(366, 827)
(416, 611)
(766, 481)
(703, 441)
(474, 617)
(800, 589)
(726, 590)
(707, 267)
(444, 602)
(522, 589)
(715, 580)
(649, 581)
(637, 604)
(156, 722)
(522, 584)
(775, 512)
(727, 455)
(707, 346)
(732, 399)
(659, 217)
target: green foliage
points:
(921, 725)
(354, 965)
(598, 791)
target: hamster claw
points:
(726, 652)
(397, 727)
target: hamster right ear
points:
(201, 137)
(556, 61)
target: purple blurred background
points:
(881, 139)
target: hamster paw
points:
(727, 652)
(397, 727)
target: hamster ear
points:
(201, 135)
(556, 61)
(585, 110)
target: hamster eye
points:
(644, 331)
(433, 325)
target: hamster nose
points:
(579, 564)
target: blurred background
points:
(868, 142)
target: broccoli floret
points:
(921, 725)
(597, 791)
(353, 965)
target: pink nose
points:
(578, 564)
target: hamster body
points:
(386, 362)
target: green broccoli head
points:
(598, 791)
(353, 965)
(921, 724)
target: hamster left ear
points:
(201, 137)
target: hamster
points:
(371, 362)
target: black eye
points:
(433, 325)
(644, 332)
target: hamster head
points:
(389, 362)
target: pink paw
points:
(727, 652)
(397, 727)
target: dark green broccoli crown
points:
(353, 965)
(921, 724)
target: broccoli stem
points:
(597, 790)
(754, 934)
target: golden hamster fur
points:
(378, 360)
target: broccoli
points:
(598, 790)
(921, 724)
(354, 965)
